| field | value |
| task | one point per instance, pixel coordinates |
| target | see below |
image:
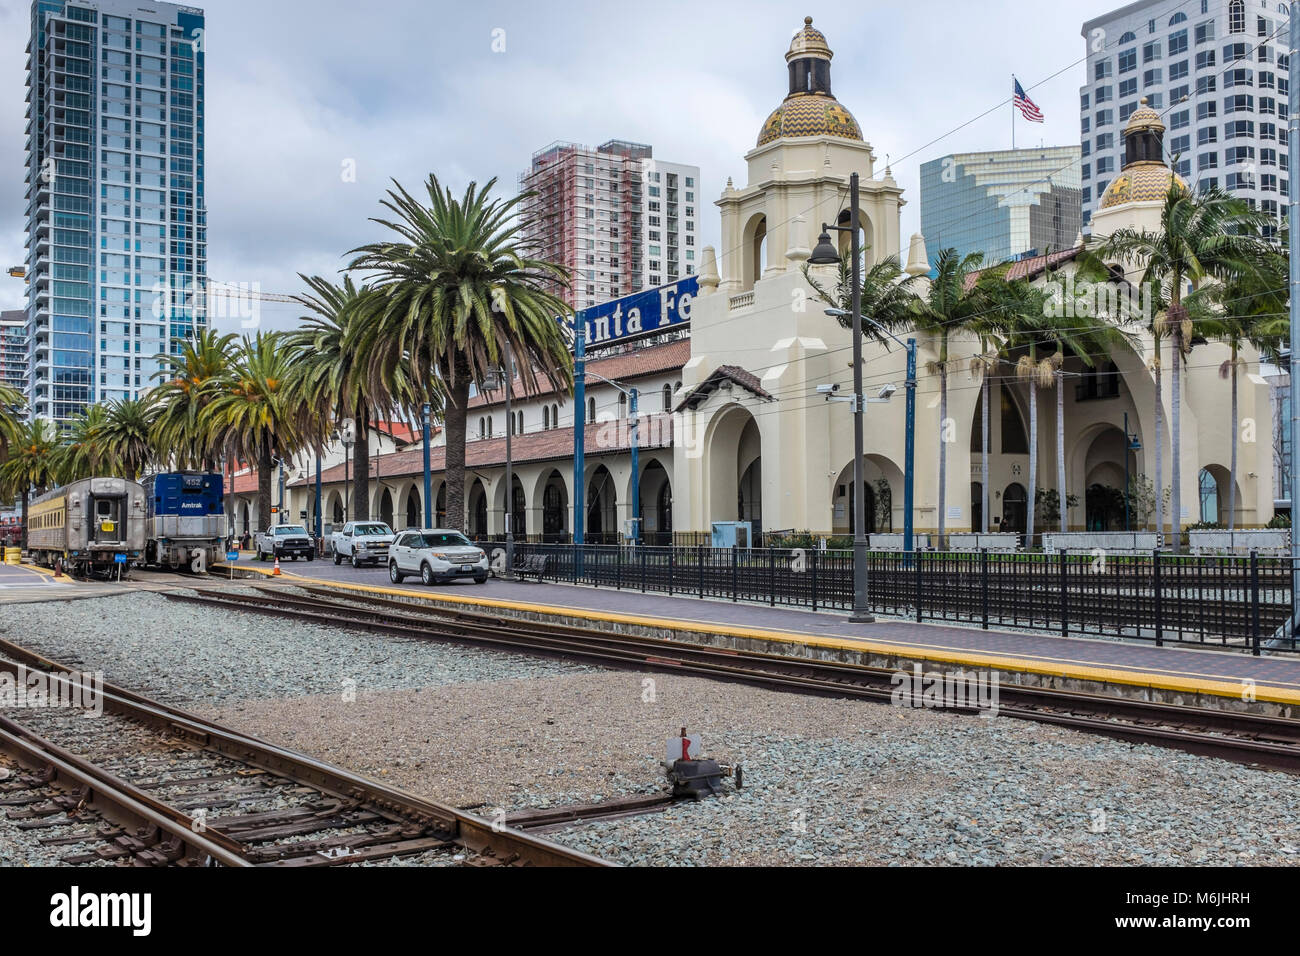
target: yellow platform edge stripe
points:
(1216, 688)
(39, 570)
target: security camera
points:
(887, 390)
(827, 389)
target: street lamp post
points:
(825, 254)
(1131, 443)
(1293, 142)
(320, 529)
(579, 434)
(636, 466)
(281, 506)
(348, 432)
(428, 475)
(909, 478)
(634, 441)
(510, 470)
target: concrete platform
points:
(1178, 674)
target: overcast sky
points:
(296, 88)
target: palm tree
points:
(255, 414)
(954, 302)
(1252, 310)
(188, 383)
(460, 287)
(33, 462)
(886, 296)
(84, 454)
(11, 422)
(126, 436)
(333, 374)
(1208, 236)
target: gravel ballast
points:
(826, 781)
(187, 654)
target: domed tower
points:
(810, 109)
(798, 178)
(1136, 195)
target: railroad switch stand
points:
(692, 775)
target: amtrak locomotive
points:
(185, 520)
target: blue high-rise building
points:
(117, 223)
(1003, 203)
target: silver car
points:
(437, 555)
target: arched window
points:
(1178, 18)
(591, 409)
(482, 427)
(520, 429)
(1209, 497)
(1014, 440)
(668, 398)
(1129, 37)
(546, 417)
(555, 416)
(622, 404)
(489, 426)
(1237, 16)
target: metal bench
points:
(534, 564)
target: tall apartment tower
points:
(116, 220)
(13, 350)
(616, 217)
(1004, 204)
(1215, 71)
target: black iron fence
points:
(1230, 602)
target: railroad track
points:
(151, 784)
(1272, 742)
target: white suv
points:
(362, 542)
(436, 555)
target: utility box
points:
(731, 534)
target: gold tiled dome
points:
(1141, 182)
(810, 114)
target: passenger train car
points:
(86, 524)
(185, 520)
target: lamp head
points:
(825, 254)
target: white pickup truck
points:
(362, 542)
(285, 541)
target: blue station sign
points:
(650, 312)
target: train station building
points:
(727, 365)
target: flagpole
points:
(1013, 111)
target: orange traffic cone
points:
(276, 569)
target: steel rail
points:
(117, 799)
(1225, 734)
(475, 833)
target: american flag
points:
(1028, 108)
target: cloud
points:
(403, 88)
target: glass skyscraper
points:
(1004, 203)
(116, 220)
